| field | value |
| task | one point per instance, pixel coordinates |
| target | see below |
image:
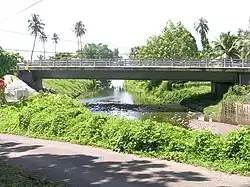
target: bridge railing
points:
(129, 63)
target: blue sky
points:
(119, 23)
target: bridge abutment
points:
(244, 78)
(220, 88)
(31, 80)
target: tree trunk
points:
(78, 44)
(55, 48)
(33, 48)
(81, 46)
(43, 50)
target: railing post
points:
(125, 62)
(53, 62)
(94, 62)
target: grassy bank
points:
(75, 88)
(12, 175)
(61, 118)
(163, 94)
(236, 94)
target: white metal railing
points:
(138, 63)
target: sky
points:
(118, 23)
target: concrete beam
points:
(136, 75)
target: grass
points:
(160, 94)
(61, 118)
(73, 88)
(14, 176)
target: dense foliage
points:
(77, 88)
(175, 42)
(8, 62)
(165, 93)
(61, 118)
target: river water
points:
(121, 103)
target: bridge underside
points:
(138, 75)
(221, 81)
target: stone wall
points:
(235, 113)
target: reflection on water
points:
(123, 97)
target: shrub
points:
(62, 118)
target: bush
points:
(166, 93)
(62, 118)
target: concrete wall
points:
(219, 89)
(31, 80)
(235, 113)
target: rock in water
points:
(16, 89)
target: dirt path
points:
(86, 166)
(214, 127)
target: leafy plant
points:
(62, 118)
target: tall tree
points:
(201, 27)
(175, 42)
(55, 38)
(97, 51)
(226, 47)
(79, 30)
(8, 61)
(43, 38)
(36, 26)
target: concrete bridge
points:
(222, 74)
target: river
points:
(121, 103)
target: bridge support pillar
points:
(244, 78)
(31, 80)
(220, 88)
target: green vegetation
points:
(167, 44)
(8, 62)
(239, 94)
(61, 118)
(77, 88)
(165, 92)
(12, 175)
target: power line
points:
(72, 41)
(25, 34)
(48, 52)
(30, 6)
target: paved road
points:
(85, 166)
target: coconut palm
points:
(55, 38)
(243, 45)
(227, 46)
(36, 26)
(43, 38)
(201, 27)
(79, 30)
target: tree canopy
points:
(98, 51)
(8, 61)
(175, 42)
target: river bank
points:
(62, 118)
(77, 88)
(193, 95)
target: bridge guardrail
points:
(140, 63)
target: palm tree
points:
(43, 38)
(226, 47)
(201, 27)
(243, 45)
(55, 38)
(79, 30)
(36, 26)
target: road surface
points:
(84, 166)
